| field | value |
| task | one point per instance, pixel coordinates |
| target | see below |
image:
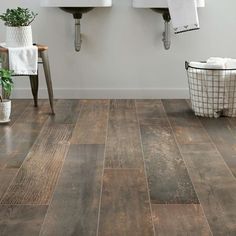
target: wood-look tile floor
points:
(116, 168)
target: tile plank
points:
(167, 174)
(36, 179)
(67, 112)
(216, 188)
(6, 176)
(123, 147)
(91, 126)
(75, 204)
(223, 136)
(149, 109)
(18, 107)
(125, 208)
(19, 138)
(180, 219)
(21, 220)
(214, 183)
(186, 129)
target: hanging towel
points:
(184, 15)
(23, 60)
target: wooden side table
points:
(34, 79)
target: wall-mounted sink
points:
(77, 8)
(77, 12)
(76, 3)
(158, 3)
(161, 6)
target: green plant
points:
(18, 17)
(6, 82)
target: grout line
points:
(177, 143)
(17, 172)
(145, 170)
(59, 174)
(101, 191)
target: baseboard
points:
(146, 93)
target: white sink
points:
(158, 3)
(76, 3)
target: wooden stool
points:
(34, 79)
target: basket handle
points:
(186, 65)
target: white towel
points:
(23, 60)
(184, 15)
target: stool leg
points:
(34, 82)
(45, 60)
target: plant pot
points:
(5, 111)
(19, 36)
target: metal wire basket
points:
(212, 91)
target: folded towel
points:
(23, 60)
(184, 15)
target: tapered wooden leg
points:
(34, 82)
(45, 60)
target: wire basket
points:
(212, 91)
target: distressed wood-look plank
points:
(214, 183)
(75, 204)
(18, 107)
(21, 220)
(123, 146)
(149, 109)
(125, 208)
(67, 112)
(187, 130)
(91, 126)
(19, 138)
(6, 176)
(36, 179)
(224, 137)
(178, 219)
(216, 189)
(167, 174)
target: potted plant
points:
(18, 28)
(5, 104)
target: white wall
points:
(122, 53)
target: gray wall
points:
(122, 53)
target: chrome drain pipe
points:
(78, 40)
(166, 36)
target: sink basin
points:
(77, 12)
(76, 3)
(76, 7)
(158, 3)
